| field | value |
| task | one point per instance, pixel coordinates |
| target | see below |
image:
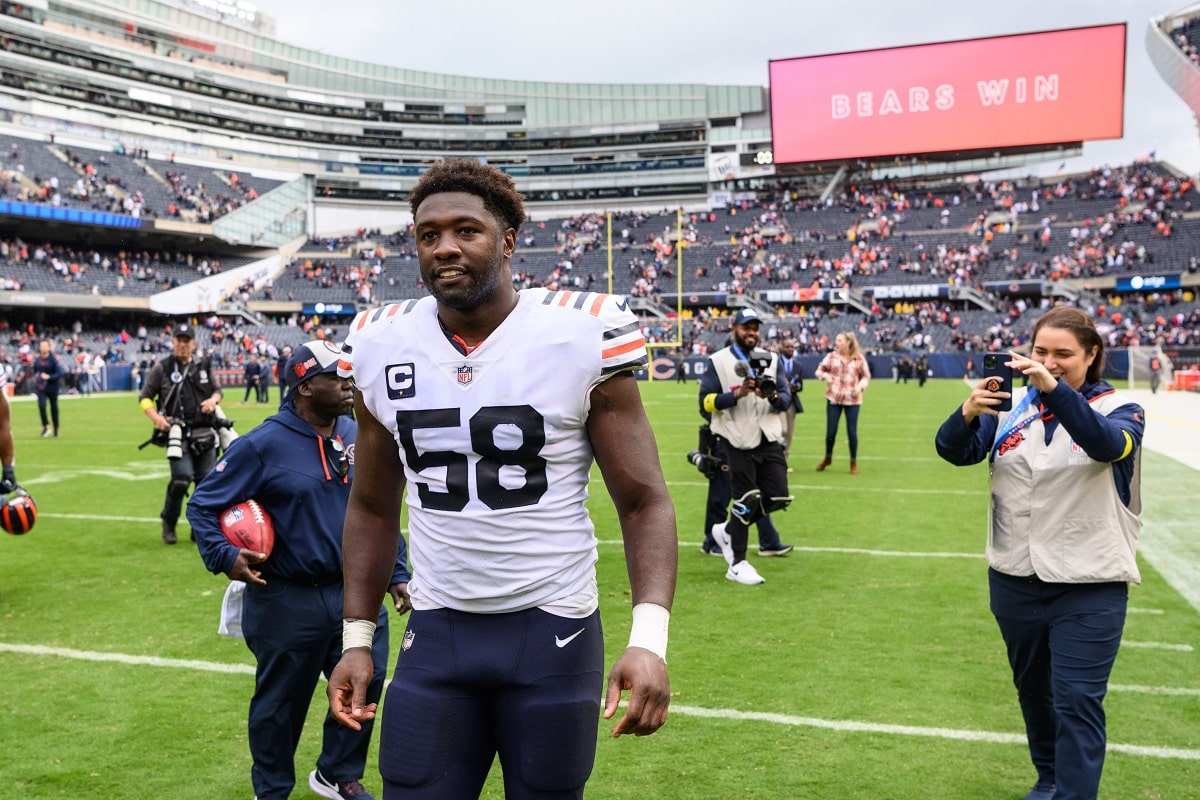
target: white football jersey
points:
(494, 444)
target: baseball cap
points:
(309, 359)
(746, 315)
(183, 330)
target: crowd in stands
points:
(1110, 222)
(48, 266)
(121, 182)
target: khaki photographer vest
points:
(745, 423)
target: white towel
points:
(231, 610)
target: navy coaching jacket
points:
(292, 471)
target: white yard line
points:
(845, 726)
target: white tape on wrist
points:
(357, 633)
(649, 630)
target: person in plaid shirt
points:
(846, 375)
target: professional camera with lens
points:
(175, 441)
(702, 457)
(760, 362)
(709, 466)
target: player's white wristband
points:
(357, 633)
(649, 630)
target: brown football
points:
(247, 525)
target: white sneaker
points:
(744, 572)
(721, 537)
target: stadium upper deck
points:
(181, 78)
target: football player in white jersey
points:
(485, 407)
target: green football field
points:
(867, 666)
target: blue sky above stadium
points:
(706, 41)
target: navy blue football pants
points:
(295, 633)
(524, 685)
(1062, 640)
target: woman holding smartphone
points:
(1062, 534)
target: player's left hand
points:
(347, 688)
(644, 674)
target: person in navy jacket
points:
(47, 377)
(299, 465)
(1063, 524)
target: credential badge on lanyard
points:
(1015, 421)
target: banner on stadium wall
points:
(729, 167)
(809, 294)
(908, 291)
(330, 309)
(1149, 283)
(75, 216)
(1020, 288)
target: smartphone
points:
(999, 378)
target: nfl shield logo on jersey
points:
(466, 374)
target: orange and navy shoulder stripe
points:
(624, 346)
(390, 310)
(591, 302)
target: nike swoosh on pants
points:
(564, 642)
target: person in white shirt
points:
(487, 406)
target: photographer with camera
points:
(741, 393)
(182, 401)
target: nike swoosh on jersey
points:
(564, 642)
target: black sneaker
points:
(337, 791)
(168, 533)
(1041, 791)
(780, 549)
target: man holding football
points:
(489, 405)
(299, 467)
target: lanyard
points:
(737, 352)
(1011, 424)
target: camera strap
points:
(173, 401)
(737, 352)
(1015, 421)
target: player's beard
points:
(480, 287)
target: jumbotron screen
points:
(1004, 91)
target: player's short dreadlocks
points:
(496, 189)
